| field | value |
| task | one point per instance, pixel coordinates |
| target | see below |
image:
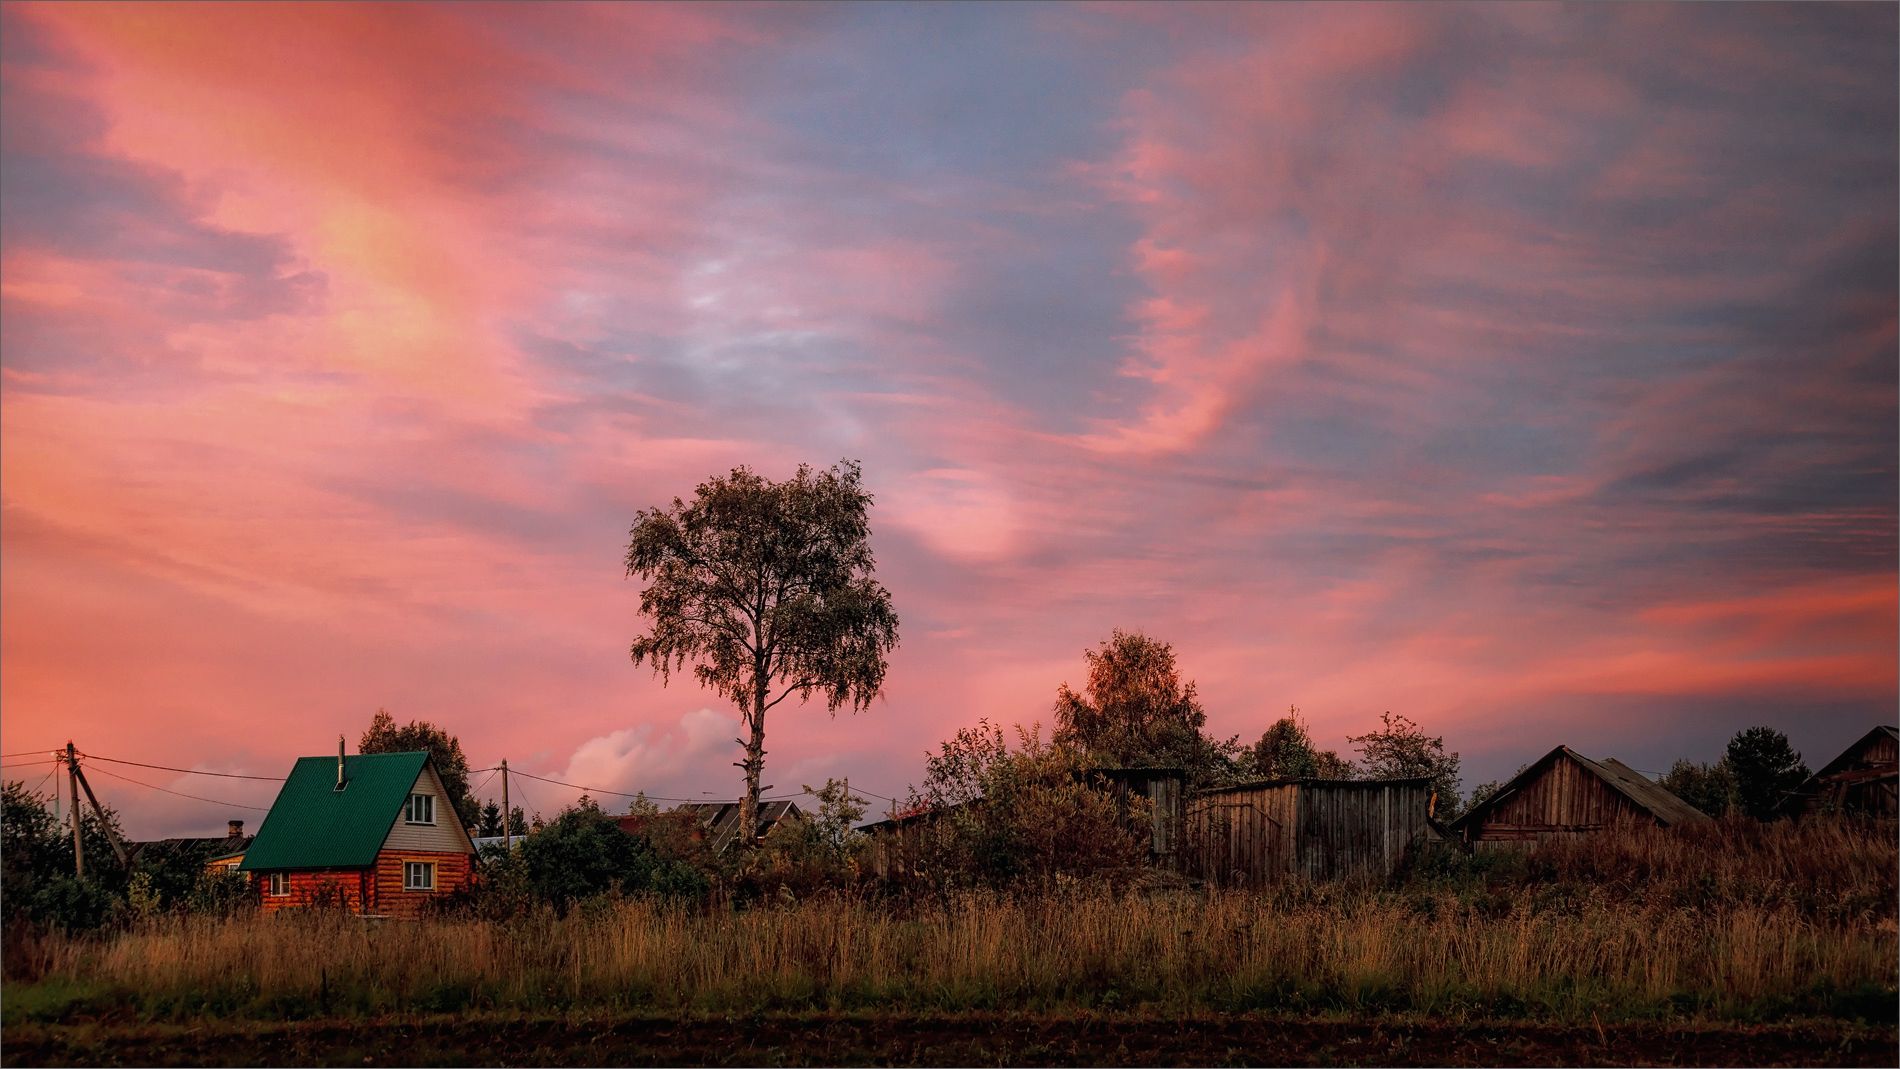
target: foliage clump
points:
(1001, 817)
(1136, 712)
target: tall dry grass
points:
(1644, 925)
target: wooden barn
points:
(1865, 778)
(1566, 793)
(376, 833)
(1259, 833)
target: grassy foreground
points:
(1735, 933)
(1180, 952)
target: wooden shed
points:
(1165, 792)
(894, 849)
(1865, 778)
(1566, 793)
(1259, 833)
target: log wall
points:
(376, 891)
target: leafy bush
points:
(36, 865)
(803, 857)
(583, 853)
(1004, 818)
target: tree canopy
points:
(1766, 767)
(1710, 788)
(1135, 711)
(1286, 751)
(768, 589)
(385, 736)
(1400, 749)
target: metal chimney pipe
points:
(339, 762)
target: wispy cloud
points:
(1525, 369)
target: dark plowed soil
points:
(961, 1040)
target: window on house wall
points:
(280, 884)
(418, 875)
(422, 809)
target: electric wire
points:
(181, 794)
(643, 794)
(187, 771)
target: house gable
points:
(1564, 791)
(446, 835)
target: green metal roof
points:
(312, 825)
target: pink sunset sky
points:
(1527, 370)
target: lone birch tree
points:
(767, 588)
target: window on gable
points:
(421, 809)
(418, 875)
(279, 884)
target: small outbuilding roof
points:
(313, 825)
(212, 848)
(721, 819)
(1648, 795)
(1309, 781)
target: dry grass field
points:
(1735, 924)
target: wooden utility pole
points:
(507, 814)
(72, 780)
(104, 825)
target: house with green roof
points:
(376, 833)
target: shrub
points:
(802, 857)
(583, 853)
(36, 865)
(1027, 817)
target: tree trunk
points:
(754, 765)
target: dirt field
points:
(960, 1040)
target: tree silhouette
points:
(1766, 769)
(767, 587)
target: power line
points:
(29, 764)
(650, 797)
(181, 794)
(187, 771)
(47, 753)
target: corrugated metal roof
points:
(312, 825)
(1650, 796)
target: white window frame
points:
(423, 866)
(409, 814)
(278, 885)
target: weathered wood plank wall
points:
(1565, 799)
(1259, 834)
